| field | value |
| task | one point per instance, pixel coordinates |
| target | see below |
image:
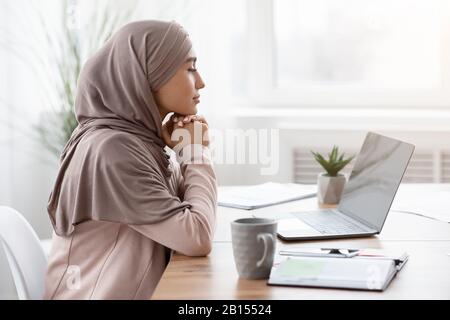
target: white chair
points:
(25, 255)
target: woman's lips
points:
(197, 99)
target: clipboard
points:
(371, 274)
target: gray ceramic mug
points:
(254, 242)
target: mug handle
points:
(265, 237)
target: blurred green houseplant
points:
(67, 48)
(57, 129)
(335, 163)
(330, 184)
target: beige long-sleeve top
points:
(108, 260)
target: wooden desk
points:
(425, 276)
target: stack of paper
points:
(266, 194)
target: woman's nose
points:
(199, 84)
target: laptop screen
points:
(375, 178)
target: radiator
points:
(424, 167)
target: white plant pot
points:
(329, 189)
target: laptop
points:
(366, 198)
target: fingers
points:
(201, 119)
(179, 125)
(181, 120)
(191, 135)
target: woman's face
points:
(180, 94)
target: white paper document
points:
(266, 194)
(431, 201)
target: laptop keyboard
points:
(329, 222)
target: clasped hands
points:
(181, 130)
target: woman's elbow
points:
(200, 241)
(199, 248)
(202, 251)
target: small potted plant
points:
(330, 184)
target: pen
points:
(331, 253)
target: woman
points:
(120, 203)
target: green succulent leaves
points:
(335, 163)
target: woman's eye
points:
(192, 69)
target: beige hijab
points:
(114, 167)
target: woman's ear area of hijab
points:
(181, 93)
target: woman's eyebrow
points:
(194, 59)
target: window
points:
(387, 44)
(351, 52)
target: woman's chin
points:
(188, 111)
(193, 110)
